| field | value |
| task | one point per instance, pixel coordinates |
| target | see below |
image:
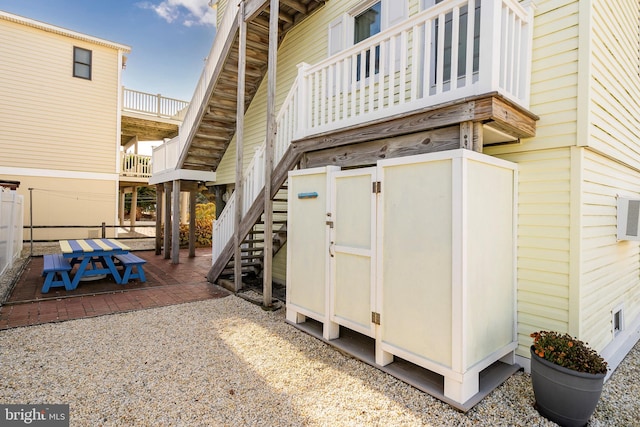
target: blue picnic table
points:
(94, 253)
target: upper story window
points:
(81, 63)
(365, 20)
(365, 25)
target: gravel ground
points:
(226, 362)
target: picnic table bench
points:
(96, 259)
(56, 271)
(129, 261)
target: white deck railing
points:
(253, 177)
(135, 165)
(437, 56)
(155, 105)
(165, 156)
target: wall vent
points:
(617, 320)
(628, 219)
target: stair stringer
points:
(279, 176)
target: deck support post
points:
(167, 219)
(175, 226)
(240, 106)
(123, 198)
(192, 223)
(159, 193)
(466, 135)
(478, 142)
(134, 209)
(267, 268)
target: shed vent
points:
(617, 320)
(628, 219)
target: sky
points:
(169, 39)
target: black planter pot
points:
(564, 396)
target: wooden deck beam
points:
(486, 108)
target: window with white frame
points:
(363, 21)
(365, 25)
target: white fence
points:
(11, 227)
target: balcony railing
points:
(437, 56)
(135, 165)
(165, 156)
(155, 105)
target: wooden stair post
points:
(268, 167)
(242, 62)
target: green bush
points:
(205, 214)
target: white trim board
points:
(54, 173)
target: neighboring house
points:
(546, 92)
(62, 129)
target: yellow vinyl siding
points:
(610, 269)
(615, 84)
(66, 201)
(50, 119)
(280, 265)
(221, 8)
(544, 188)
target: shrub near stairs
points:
(203, 233)
(205, 214)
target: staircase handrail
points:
(253, 178)
(197, 105)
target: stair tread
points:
(248, 264)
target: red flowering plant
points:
(568, 352)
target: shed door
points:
(353, 249)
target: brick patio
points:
(167, 284)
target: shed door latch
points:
(376, 187)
